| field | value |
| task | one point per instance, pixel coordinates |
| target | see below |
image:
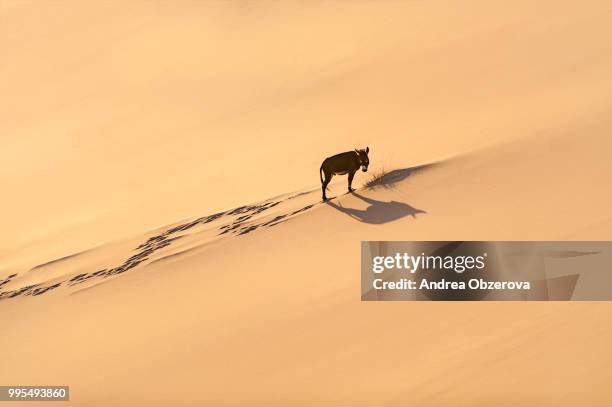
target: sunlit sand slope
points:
(143, 262)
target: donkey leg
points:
(350, 181)
(325, 183)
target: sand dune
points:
(141, 250)
(266, 297)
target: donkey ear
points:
(367, 150)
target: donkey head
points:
(364, 161)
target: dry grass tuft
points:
(377, 179)
(388, 178)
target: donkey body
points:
(343, 163)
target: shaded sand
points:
(494, 118)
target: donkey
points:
(343, 163)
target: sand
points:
(162, 197)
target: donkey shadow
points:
(378, 212)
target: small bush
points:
(387, 179)
(377, 178)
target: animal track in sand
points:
(145, 250)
